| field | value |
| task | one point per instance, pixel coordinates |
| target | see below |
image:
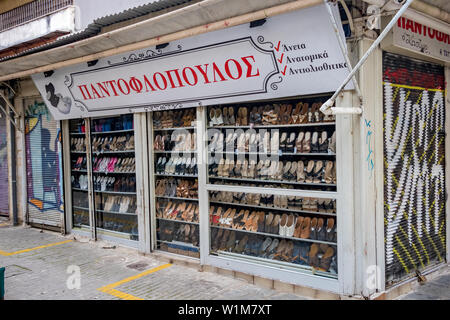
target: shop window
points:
(256, 149)
(176, 181)
(113, 176)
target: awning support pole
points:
(7, 113)
(327, 108)
(343, 48)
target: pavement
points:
(43, 265)
(436, 289)
(47, 266)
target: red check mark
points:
(284, 71)
(281, 59)
(278, 46)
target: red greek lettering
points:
(249, 66)
(409, 25)
(217, 71)
(238, 69)
(172, 84)
(85, 91)
(112, 83)
(156, 81)
(186, 79)
(204, 73)
(417, 28)
(431, 32)
(103, 89)
(148, 84)
(95, 92)
(136, 84)
(126, 86)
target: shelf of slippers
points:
(176, 198)
(300, 154)
(171, 162)
(288, 265)
(270, 208)
(280, 126)
(274, 235)
(180, 221)
(274, 181)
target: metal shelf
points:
(179, 243)
(78, 189)
(277, 236)
(175, 151)
(102, 172)
(116, 192)
(114, 212)
(80, 208)
(315, 154)
(77, 133)
(275, 181)
(176, 175)
(111, 132)
(113, 152)
(177, 198)
(275, 208)
(312, 124)
(170, 129)
(176, 220)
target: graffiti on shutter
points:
(414, 184)
(43, 154)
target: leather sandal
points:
(306, 143)
(309, 171)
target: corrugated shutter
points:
(414, 173)
(43, 156)
(3, 167)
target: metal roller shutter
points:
(3, 167)
(43, 156)
(414, 173)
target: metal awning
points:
(199, 14)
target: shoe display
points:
(285, 144)
(113, 166)
(176, 183)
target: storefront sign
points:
(292, 54)
(417, 37)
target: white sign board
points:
(292, 54)
(417, 37)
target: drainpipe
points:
(327, 108)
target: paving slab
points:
(50, 273)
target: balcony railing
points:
(31, 11)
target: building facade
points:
(197, 132)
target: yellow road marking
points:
(4, 253)
(109, 289)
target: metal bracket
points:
(11, 107)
